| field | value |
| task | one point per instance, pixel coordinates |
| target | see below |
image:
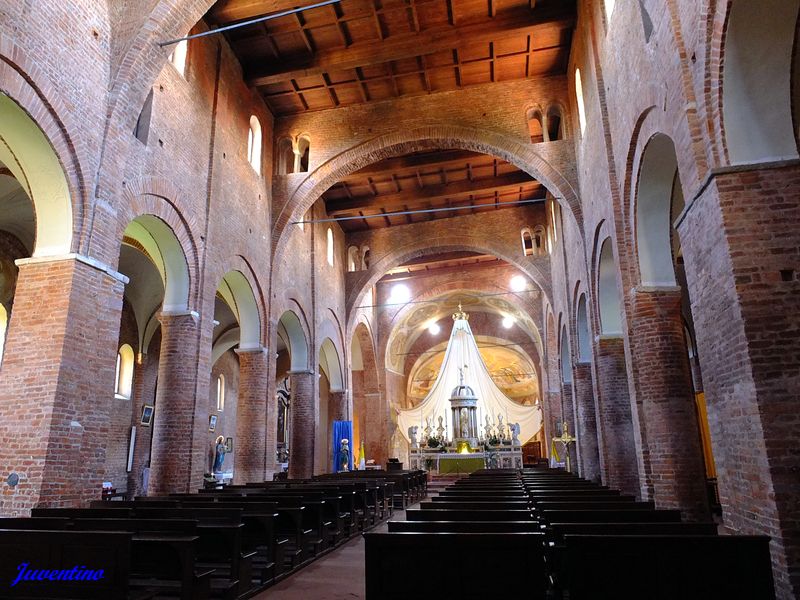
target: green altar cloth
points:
(460, 464)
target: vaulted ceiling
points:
(357, 51)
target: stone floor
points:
(338, 575)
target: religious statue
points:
(344, 455)
(488, 428)
(440, 428)
(219, 454)
(464, 423)
(515, 429)
(501, 429)
(428, 431)
(412, 435)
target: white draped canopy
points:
(462, 350)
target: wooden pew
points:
(464, 526)
(466, 566)
(668, 567)
(474, 505)
(610, 516)
(55, 550)
(468, 515)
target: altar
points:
(478, 426)
(506, 456)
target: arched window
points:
(579, 99)
(527, 243)
(254, 144)
(352, 259)
(535, 126)
(3, 328)
(539, 241)
(220, 393)
(124, 378)
(555, 125)
(609, 6)
(285, 157)
(178, 56)
(330, 246)
(303, 155)
(609, 295)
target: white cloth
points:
(463, 350)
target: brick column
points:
(251, 416)
(337, 405)
(740, 240)
(618, 462)
(671, 471)
(303, 415)
(378, 422)
(57, 382)
(586, 421)
(179, 425)
(568, 410)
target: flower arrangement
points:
(433, 442)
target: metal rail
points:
(284, 13)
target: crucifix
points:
(566, 439)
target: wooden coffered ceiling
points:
(358, 51)
(466, 182)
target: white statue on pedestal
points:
(412, 435)
(515, 434)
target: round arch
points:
(292, 329)
(583, 331)
(161, 245)
(566, 361)
(448, 242)
(331, 364)
(238, 294)
(757, 74)
(29, 156)
(608, 295)
(524, 156)
(658, 194)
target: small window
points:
(3, 328)
(579, 99)
(124, 375)
(254, 144)
(220, 393)
(535, 128)
(178, 56)
(352, 259)
(142, 129)
(330, 246)
(527, 243)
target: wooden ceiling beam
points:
(467, 266)
(416, 161)
(399, 47)
(430, 193)
(228, 11)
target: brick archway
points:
(449, 242)
(439, 137)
